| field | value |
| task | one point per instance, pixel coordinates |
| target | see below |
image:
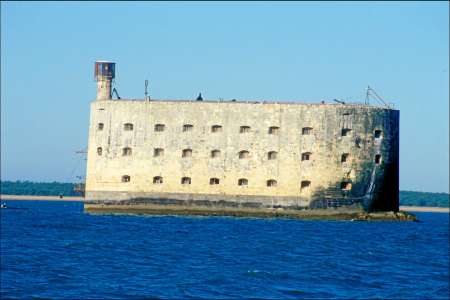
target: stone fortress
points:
(239, 155)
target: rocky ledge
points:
(310, 214)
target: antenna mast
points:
(371, 92)
(146, 92)
(366, 102)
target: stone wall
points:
(372, 185)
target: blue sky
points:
(290, 51)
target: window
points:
(307, 130)
(345, 131)
(243, 154)
(127, 126)
(306, 156)
(126, 151)
(160, 127)
(272, 155)
(186, 180)
(346, 186)
(242, 181)
(305, 185)
(377, 134)
(186, 153)
(215, 153)
(216, 128)
(126, 178)
(99, 151)
(187, 127)
(378, 159)
(274, 130)
(345, 157)
(213, 181)
(158, 152)
(157, 180)
(244, 129)
(271, 183)
(100, 126)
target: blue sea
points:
(55, 250)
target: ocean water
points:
(54, 250)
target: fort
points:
(239, 157)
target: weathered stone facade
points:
(243, 154)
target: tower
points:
(104, 74)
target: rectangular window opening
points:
(378, 159)
(345, 131)
(274, 130)
(306, 156)
(244, 129)
(377, 134)
(158, 152)
(187, 127)
(344, 157)
(186, 180)
(214, 181)
(159, 127)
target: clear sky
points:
(289, 51)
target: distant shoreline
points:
(425, 209)
(75, 198)
(43, 198)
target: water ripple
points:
(54, 250)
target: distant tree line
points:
(37, 188)
(408, 198)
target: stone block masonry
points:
(240, 154)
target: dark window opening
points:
(126, 178)
(126, 151)
(244, 129)
(346, 186)
(345, 131)
(304, 185)
(158, 152)
(216, 128)
(100, 126)
(128, 126)
(160, 127)
(377, 134)
(345, 157)
(243, 154)
(272, 155)
(215, 153)
(187, 127)
(213, 181)
(274, 130)
(157, 180)
(99, 150)
(306, 156)
(378, 159)
(271, 183)
(186, 180)
(306, 130)
(186, 153)
(242, 181)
